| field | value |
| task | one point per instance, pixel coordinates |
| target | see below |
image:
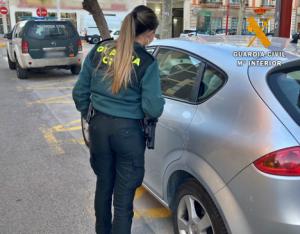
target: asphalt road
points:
(46, 184)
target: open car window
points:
(178, 73)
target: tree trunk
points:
(166, 24)
(241, 17)
(93, 7)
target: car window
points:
(150, 50)
(178, 73)
(50, 31)
(211, 82)
(286, 88)
(19, 28)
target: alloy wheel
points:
(192, 218)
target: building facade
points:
(209, 15)
(62, 9)
(205, 15)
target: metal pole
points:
(227, 15)
(58, 9)
(4, 19)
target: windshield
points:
(286, 88)
(50, 31)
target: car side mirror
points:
(8, 36)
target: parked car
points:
(227, 151)
(115, 34)
(191, 33)
(91, 35)
(188, 33)
(222, 31)
(43, 44)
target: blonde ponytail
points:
(119, 56)
(122, 66)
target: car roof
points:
(217, 48)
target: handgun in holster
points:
(90, 113)
(149, 131)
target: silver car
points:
(227, 154)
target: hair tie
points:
(134, 14)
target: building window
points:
(21, 15)
(216, 24)
(235, 1)
(52, 14)
(69, 16)
(210, 1)
(234, 22)
(268, 3)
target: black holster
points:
(149, 126)
(90, 113)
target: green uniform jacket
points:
(141, 97)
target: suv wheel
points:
(195, 212)
(75, 69)
(95, 40)
(21, 73)
(11, 64)
(85, 131)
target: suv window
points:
(212, 81)
(286, 88)
(50, 31)
(178, 73)
(19, 29)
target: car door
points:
(10, 44)
(17, 40)
(179, 73)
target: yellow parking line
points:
(152, 213)
(51, 84)
(139, 192)
(54, 100)
(52, 141)
(68, 126)
(2, 45)
(50, 88)
(77, 141)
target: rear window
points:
(286, 88)
(44, 31)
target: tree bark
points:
(93, 7)
(166, 28)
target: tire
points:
(95, 40)
(11, 64)
(21, 73)
(75, 69)
(85, 132)
(191, 194)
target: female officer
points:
(121, 80)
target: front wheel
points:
(195, 212)
(11, 64)
(85, 132)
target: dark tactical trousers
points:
(117, 148)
